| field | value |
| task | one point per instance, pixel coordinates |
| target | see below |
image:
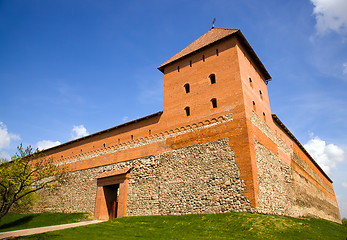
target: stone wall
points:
(309, 200)
(275, 183)
(293, 190)
(201, 178)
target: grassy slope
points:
(14, 221)
(214, 226)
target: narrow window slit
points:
(212, 78)
(251, 82)
(187, 87)
(187, 109)
(214, 103)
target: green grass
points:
(13, 221)
(214, 226)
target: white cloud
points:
(344, 184)
(326, 155)
(125, 118)
(6, 137)
(344, 66)
(4, 155)
(45, 144)
(331, 15)
(343, 209)
(78, 132)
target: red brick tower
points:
(219, 74)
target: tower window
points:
(254, 108)
(149, 132)
(251, 82)
(178, 68)
(217, 53)
(187, 109)
(264, 116)
(203, 58)
(214, 103)
(190, 63)
(104, 145)
(261, 94)
(132, 137)
(212, 78)
(187, 87)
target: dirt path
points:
(30, 231)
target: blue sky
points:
(69, 68)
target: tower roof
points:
(212, 36)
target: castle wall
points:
(201, 178)
(288, 184)
(192, 171)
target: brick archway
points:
(111, 194)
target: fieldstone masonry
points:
(284, 191)
(275, 183)
(201, 178)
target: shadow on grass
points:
(17, 222)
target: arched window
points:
(212, 78)
(264, 116)
(203, 58)
(217, 53)
(187, 109)
(132, 137)
(214, 103)
(178, 68)
(261, 94)
(190, 63)
(187, 87)
(254, 108)
(251, 82)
